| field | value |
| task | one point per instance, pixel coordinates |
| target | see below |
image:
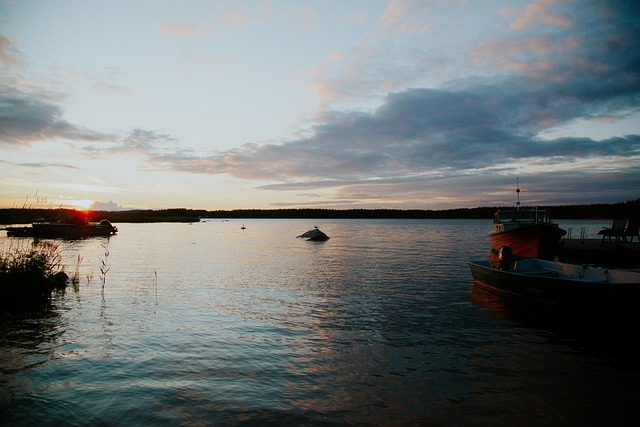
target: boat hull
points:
(552, 290)
(64, 231)
(531, 241)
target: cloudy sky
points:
(215, 104)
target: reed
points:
(75, 279)
(30, 271)
(104, 267)
(89, 277)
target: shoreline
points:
(29, 215)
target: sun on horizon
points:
(83, 204)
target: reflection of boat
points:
(68, 230)
(561, 285)
(314, 235)
(529, 232)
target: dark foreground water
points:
(208, 324)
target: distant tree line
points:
(596, 211)
(353, 213)
(28, 215)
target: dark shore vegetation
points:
(30, 271)
(627, 209)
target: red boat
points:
(528, 232)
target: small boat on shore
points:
(529, 232)
(560, 285)
(314, 235)
(65, 230)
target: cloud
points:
(31, 116)
(8, 54)
(27, 119)
(400, 16)
(147, 143)
(42, 165)
(106, 206)
(146, 140)
(541, 12)
(601, 42)
(181, 28)
(39, 165)
(336, 56)
(420, 131)
(242, 17)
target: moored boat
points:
(68, 230)
(561, 285)
(529, 232)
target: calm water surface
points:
(208, 324)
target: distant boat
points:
(561, 285)
(68, 230)
(529, 232)
(314, 235)
(243, 227)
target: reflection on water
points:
(603, 333)
(207, 324)
(28, 340)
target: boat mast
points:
(518, 192)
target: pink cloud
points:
(237, 16)
(183, 28)
(539, 12)
(400, 16)
(7, 59)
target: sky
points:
(357, 104)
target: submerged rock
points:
(314, 235)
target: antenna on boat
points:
(518, 192)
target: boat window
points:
(523, 216)
(505, 217)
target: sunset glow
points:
(84, 204)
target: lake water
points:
(207, 324)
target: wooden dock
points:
(601, 252)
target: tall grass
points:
(29, 271)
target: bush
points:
(29, 272)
